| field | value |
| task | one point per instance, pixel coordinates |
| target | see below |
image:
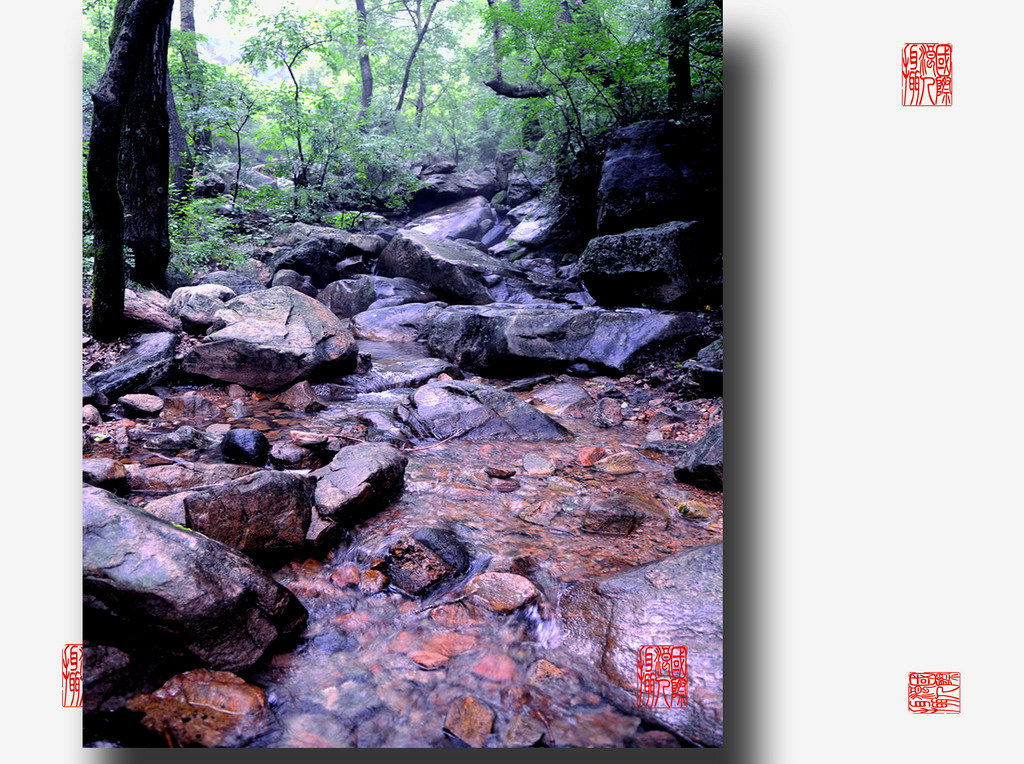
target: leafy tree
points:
(287, 39)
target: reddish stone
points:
(373, 581)
(496, 667)
(591, 455)
(209, 708)
(428, 660)
(502, 592)
(470, 720)
(346, 575)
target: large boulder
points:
(668, 266)
(397, 373)
(468, 219)
(269, 339)
(676, 601)
(517, 339)
(149, 361)
(476, 411)
(347, 297)
(310, 258)
(261, 511)
(657, 171)
(531, 223)
(339, 242)
(439, 189)
(702, 464)
(148, 312)
(149, 582)
(197, 305)
(401, 323)
(360, 481)
(454, 271)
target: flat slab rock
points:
(521, 338)
(148, 362)
(147, 580)
(476, 411)
(675, 601)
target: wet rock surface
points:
(499, 338)
(269, 339)
(145, 579)
(449, 582)
(677, 601)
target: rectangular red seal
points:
(661, 676)
(71, 676)
(927, 74)
(934, 692)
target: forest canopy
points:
(337, 102)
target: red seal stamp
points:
(934, 692)
(71, 676)
(927, 74)
(661, 676)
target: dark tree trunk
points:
(180, 155)
(190, 53)
(680, 89)
(365, 71)
(135, 30)
(144, 173)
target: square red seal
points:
(934, 692)
(71, 676)
(661, 676)
(927, 74)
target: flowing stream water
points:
(382, 669)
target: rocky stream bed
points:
(410, 487)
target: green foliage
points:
(201, 238)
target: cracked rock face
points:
(269, 339)
(149, 582)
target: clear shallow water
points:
(358, 678)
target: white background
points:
(879, 295)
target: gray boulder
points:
(468, 219)
(339, 242)
(147, 581)
(397, 373)
(676, 601)
(401, 323)
(476, 412)
(517, 339)
(196, 306)
(148, 362)
(347, 297)
(360, 481)
(439, 189)
(657, 171)
(296, 281)
(455, 272)
(269, 339)
(261, 511)
(702, 464)
(669, 266)
(237, 282)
